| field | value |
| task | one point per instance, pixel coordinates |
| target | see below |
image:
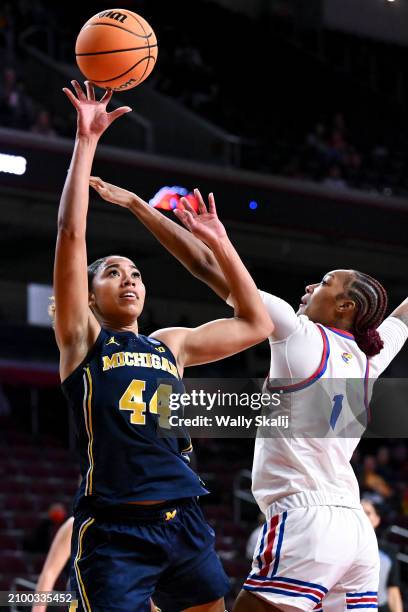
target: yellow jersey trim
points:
(82, 529)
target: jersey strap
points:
(303, 384)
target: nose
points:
(128, 280)
(311, 288)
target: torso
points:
(128, 452)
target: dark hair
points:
(94, 267)
(371, 300)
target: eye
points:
(324, 282)
(136, 274)
(112, 272)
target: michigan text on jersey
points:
(141, 360)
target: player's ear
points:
(345, 306)
(91, 299)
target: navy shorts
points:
(123, 556)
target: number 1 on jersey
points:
(337, 407)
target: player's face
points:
(118, 292)
(371, 514)
(325, 302)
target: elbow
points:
(260, 328)
(266, 329)
(265, 325)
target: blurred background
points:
(294, 112)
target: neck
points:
(120, 327)
(341, 325)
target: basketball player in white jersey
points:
(317, 550)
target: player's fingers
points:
(106, 96)
(90, 92)
(97, 182)
(201, 205)
(71, 97)
(118, 112)
(78, 89)
(182, 216)
(188, 207)
(211, 204)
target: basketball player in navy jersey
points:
(138, 528)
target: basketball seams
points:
(114, 25)
(136, 18)
(147, 57)
(150, 48)
(116, 51)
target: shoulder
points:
(173, 337)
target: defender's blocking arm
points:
(189, 250)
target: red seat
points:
(26, 521)
(8, 542)
(4, 523)
(13, 563)
(10, 485)
(18, 501)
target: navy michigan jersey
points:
(119, 396)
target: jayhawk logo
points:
(346, 357)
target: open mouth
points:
(304, 302)
(130, 296)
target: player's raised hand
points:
(205, 225)
(93, 119)
(111, 193)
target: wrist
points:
(220, 245)
(87, 139)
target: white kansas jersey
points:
(325, 383)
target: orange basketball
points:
(116, 49)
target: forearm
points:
(246, 299)
(395, 600)
(75, 196)
(46, 581)
(402, 312)
(189, 250)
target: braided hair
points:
(371, 300)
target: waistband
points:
(311, 498)
(135, 513)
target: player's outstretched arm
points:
(401, 312)
(74, 320)
(251, 323)
(57, 557)
(189, 250)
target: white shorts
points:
(307, 557)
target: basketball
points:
(116, 49)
